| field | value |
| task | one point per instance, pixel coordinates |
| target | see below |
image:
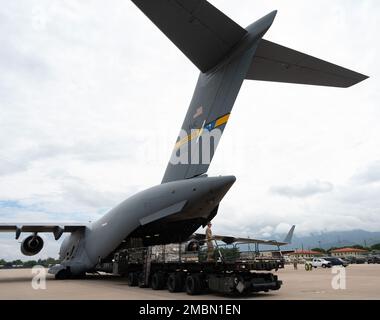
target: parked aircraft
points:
(226, 54)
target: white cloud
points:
(306, 190)
(92, 97)
(370, 174)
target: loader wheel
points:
(158, 281)
(193, 284)
(132, 279)
(141, 281)
(175, 282)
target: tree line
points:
(375, 247)
(28, 264)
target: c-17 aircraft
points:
(226, 54)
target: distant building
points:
(348, 252)
(305, 254)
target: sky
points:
(92, 97)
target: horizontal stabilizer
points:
(202, 32)
(273, 62)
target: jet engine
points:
(32, 245)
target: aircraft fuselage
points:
(154, 209)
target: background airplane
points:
(230, 239)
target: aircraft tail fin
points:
(273, 62)
(289, 236)
(211, 105)
(202, 32)
(226, 55)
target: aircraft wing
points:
(231, 240)
(273, 62)
(56, 228)
(259, 241)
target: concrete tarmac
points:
(362, 283)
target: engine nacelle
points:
(32, 245)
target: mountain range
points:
(327, 240)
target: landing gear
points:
(63, 274)
(78, 276)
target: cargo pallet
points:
(189, 271)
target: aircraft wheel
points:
(158, 281)
(193, 284)
(175, 282)
(79, 276)
(62, 275)
(132, 279)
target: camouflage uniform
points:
(210, 246)
(295, 263)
